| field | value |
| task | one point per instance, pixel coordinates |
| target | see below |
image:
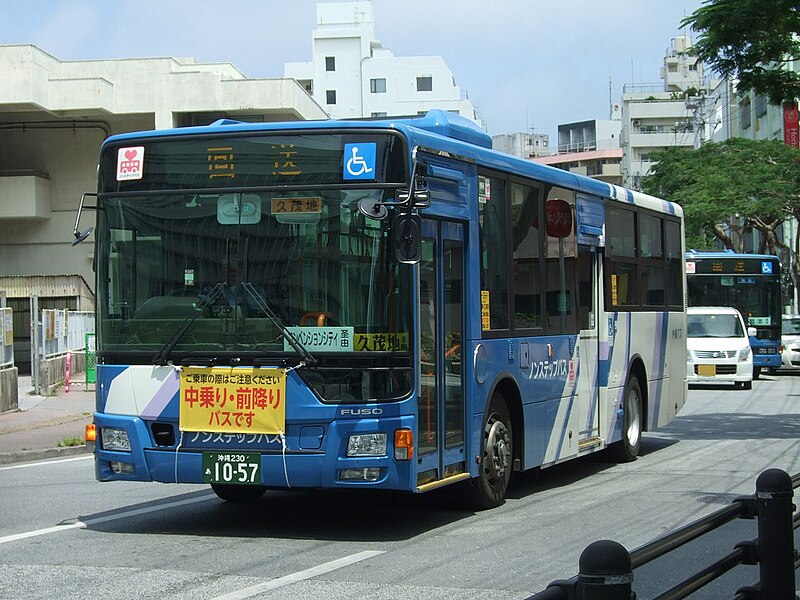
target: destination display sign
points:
(194, 161)
(738, 266)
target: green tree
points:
(750, 40)
(729, 187)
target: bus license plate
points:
(243, 468)
(706, 370)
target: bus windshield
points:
(232, 264)
(756, 297)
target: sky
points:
(527, 65)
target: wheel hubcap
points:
(498, 450)
(634, 419)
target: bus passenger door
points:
(587, 352)
(441, 391)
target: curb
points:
(7, 458)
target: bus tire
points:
(489, 488)
(627, 449)
(756, 372)
(238, 493)
(748, 385)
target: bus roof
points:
(439, 131)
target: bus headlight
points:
(115, 439)
(366, 444)
(744, 353)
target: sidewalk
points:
(34, 431)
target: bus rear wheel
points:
(238, 493)
(628, 448)
(489, 488)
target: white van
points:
(718, 349)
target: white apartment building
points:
(525, 145)
(656, 116)
(353, 76)
(589, 148)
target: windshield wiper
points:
(263, 304)
(163, 355)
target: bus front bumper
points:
(295, 467)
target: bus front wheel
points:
(628, 448)
(238, 493)
(489, 488)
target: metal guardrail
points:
(606, 567)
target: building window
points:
(377, 86)
(761, 106)
(308, 85)
(330, 96)
(378, 114)
(424, 84)
(330, 63)
(744, 113)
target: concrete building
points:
(589, 148)
(525, 145)
(352, 75)
(656, 116)
(585, 136)
(55, 114)
(599, 164)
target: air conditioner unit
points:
(636, 122)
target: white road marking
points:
(47, 462)
(300, 575)
(95, 521)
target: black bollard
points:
(605, 572)
(775, 534)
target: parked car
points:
(790, 342)
(718, 347)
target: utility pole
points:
(696, 104)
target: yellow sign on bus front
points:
(233, 400)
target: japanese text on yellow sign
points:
(228, 400)
(485, 313)
(296, 205)
(380, 342)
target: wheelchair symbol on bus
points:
(360, 161)
(766, 267)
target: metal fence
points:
(606, 567)
(6, 338)
(64, 330)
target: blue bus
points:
(384, 304)
(750, 283)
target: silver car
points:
(790, 342)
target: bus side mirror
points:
(752, 331)
(76, 232)
(407, 236)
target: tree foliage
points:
(725, 188)
(750, 40)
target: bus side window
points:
(561, 252)
(492, 210)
